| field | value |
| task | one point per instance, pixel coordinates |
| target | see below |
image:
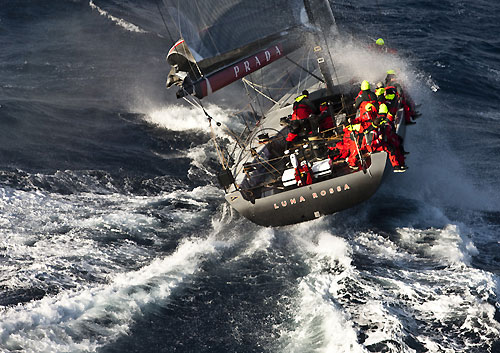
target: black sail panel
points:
(224, 40)
(215, 27)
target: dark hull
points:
(315, 200)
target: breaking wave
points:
(58, 323)
(118, 21)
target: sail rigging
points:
(213, 28)
(288, 168)
(225, 40)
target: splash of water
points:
(118, 21)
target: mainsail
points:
(225, 40)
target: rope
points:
(192, 103)
(222, 160)
(256, 90)
(306, 70)
(306, 52)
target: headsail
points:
(224, 40)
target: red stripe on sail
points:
(180, 41)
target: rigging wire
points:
(308, 53)
(220, 154)
(342, 98)
(251, 107)
(182, 37)
(304, 69)
(207, 27)
(254, 87)
(239, 142)
(257, 100)
(191, 103)
(223, 161)
(164, 23)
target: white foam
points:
(187, 118)
(448, 245)
(199, 156)
(456, 297)
(388, 303)
(118, 21)
(366, 64)
(53, 323)
(40, 255)
(325, 323)
(321, 325)
(177, 117)
(439, 297)
(444, 307)
(260, 241)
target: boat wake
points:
(101, 312)
(114, 233)
(410, 290)
(107, 258)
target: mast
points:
(320, 15)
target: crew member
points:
(382, 48)
(350, 147)
(303, 174)
(364, 97)
(381, 137)
(406, 101)
(367, 112)
(325, 118)
(386, 114)
(379, 44)
(391, 99)
(380, 92)
(302, 109)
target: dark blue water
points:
(115, 237)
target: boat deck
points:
(265, 177)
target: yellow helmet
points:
(382, 109)
(365, 85)
(380, 42)
(391, 72)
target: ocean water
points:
(114, 236)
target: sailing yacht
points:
(224, 41)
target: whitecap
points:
(118, 21)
